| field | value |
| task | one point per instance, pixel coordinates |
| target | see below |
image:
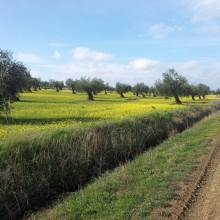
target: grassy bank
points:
(149, 182)
(36, 168)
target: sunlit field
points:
(48, 109)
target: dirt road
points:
(206, 204)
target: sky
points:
(127, 41)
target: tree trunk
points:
(121, 94)
(14, 98)
(143, 94)
(193, 97)
(90, 96)
(200, 97)
(73, 91)
(57, 89)
(203, 96)
(154, 94)
(105, 91)
(177, 99)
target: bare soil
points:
(205, 204)
(200, 198)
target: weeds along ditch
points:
(36, 169)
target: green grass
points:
(133, 190)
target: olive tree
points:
(203, 90)
(122, 88)
(140, 88)
(14, 78)
(217, 92)
(35, 83)
(172, 84)
(90, 86)
(58, 85)
(193, 91)
(152, 90)
(45, 84)
(70, 83)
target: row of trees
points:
(15, 77)
(171, 85)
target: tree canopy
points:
(172, 84)
(70, 83)
(58, 85)
(90, 86)
(122, 88)
(14, 78)
(140, 88)
(203, 90)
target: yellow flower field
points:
(47, 109)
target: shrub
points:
(216, 104)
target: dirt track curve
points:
(204, 203)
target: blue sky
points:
(117, 40)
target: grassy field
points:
(47, 109)
(149, 182)
(82, 140)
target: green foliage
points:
(140, 88)
(58, 85)
(44, 84)
(70, 83)
(107, 88)
(172, 84)
(90, 86)
(217, 91)
(35, 83)
(122, 88)
(14, 77)
(203, 90)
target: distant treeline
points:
(15, 78)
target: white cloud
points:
(56, 55)
(210, 28)
(161, 30)
(189, 65)
(136, 70)
(83, 53)
(142, 64)
(37, 74)
(28, 57)
(204, 10)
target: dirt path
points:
(205, 201)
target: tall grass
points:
(37, 168)
(146, 187)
